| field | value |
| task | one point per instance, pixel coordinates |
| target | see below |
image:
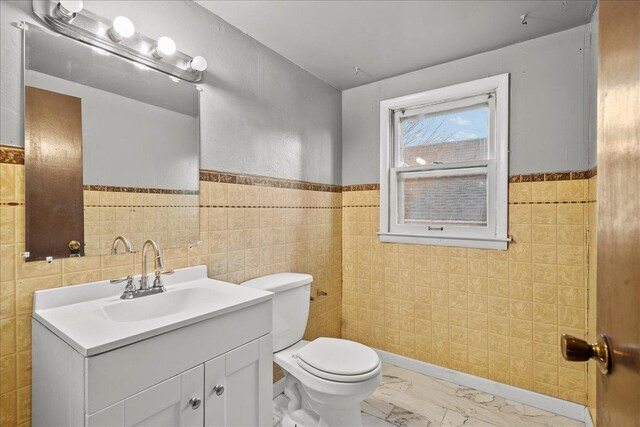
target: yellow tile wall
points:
(495, 314)
(246, 231)
(139, 216)
(592, 331)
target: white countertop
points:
(93, 319)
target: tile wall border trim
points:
(11, 154)
(141, 206)
(141, 190)
(361, 187)
(555, 202)
(558, 406)
(533, 177)
(554, 176)
(268, 207)
(15, 155)
(265, 181)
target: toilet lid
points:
(339, 360)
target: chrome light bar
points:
(70, 19)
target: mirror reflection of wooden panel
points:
(54, 214)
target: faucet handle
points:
(128, 278)
(157, 282)
(129, 290)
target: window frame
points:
(495, 91)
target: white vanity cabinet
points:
(224, 391)
(170, 403)
(233, 387)
(211, 370)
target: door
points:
(175, 402)
(618, 304)
(238, 386)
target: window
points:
(444, 165)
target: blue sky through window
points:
(456, 126)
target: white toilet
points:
(325, 379)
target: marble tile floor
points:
(409, 399)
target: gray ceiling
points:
(387, 38)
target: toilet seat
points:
(339, 360)
(287, 359)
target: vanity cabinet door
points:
(170, 403)
(214, 403)
(238, 386)
(108, 417)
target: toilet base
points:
(309, 409)
(316, 402)
(283, 416)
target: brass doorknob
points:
(578, 350)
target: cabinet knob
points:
(195, 402)
(218, 389)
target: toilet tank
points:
(290, 305)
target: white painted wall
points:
(264, 115)
(128, 143)
(261, 114)
(592, 82)
(552, 114)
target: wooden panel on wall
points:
(54, 213)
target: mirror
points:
(111, 148)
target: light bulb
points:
(66, 10)
(121, 29)
(198, 63)
(164, 47)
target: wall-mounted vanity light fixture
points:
(119, 36)
(164, 47)
(67, 10)
(198, 63)
(121, 29)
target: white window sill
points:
(476, 243)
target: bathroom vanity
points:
(199, 354)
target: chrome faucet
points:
(127, 245)
(144, 289)
(158, 263)
(158, 266)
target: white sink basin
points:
(93, 319)
(173, 301)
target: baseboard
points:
(588, 421)
(531, 398)
(278, 388)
